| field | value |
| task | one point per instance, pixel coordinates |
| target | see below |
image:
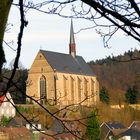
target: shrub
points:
(5, 120)
(93, 127)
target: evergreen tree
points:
(104, 96)
(131, 95)
(93, 127)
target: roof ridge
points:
(59, 53)
(53, 52)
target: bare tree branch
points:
(20, 35)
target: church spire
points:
(72, 45)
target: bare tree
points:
(118, 15)
(107, 16)
(20, 65)
(122, 14)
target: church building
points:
(62, 79)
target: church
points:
(62, 79)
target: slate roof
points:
(17, 122)
(67, 63)
(64, 125)
(127, 132)
(57, 126)
(132, 133)
(117, 132)
(114, 125)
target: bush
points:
(22, 110)
(5, 120)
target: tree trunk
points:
(4, 12)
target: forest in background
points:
(118, 73)
(18, 84)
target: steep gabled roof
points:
(107, 128)
(66, 63)
(57, 126)
(2, 99)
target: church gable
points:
(40, 65)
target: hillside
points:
(118, 73)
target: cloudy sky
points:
(51, 32)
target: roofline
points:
(54, 70)
(75, 73)
(52, 51)
(106, 125)
(60, 53)
(133, 123)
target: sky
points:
(52, 33)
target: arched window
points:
(43, 94)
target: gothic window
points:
(43, 90)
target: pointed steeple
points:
(72, 45)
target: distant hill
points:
(118, 73)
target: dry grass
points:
(125, 115)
